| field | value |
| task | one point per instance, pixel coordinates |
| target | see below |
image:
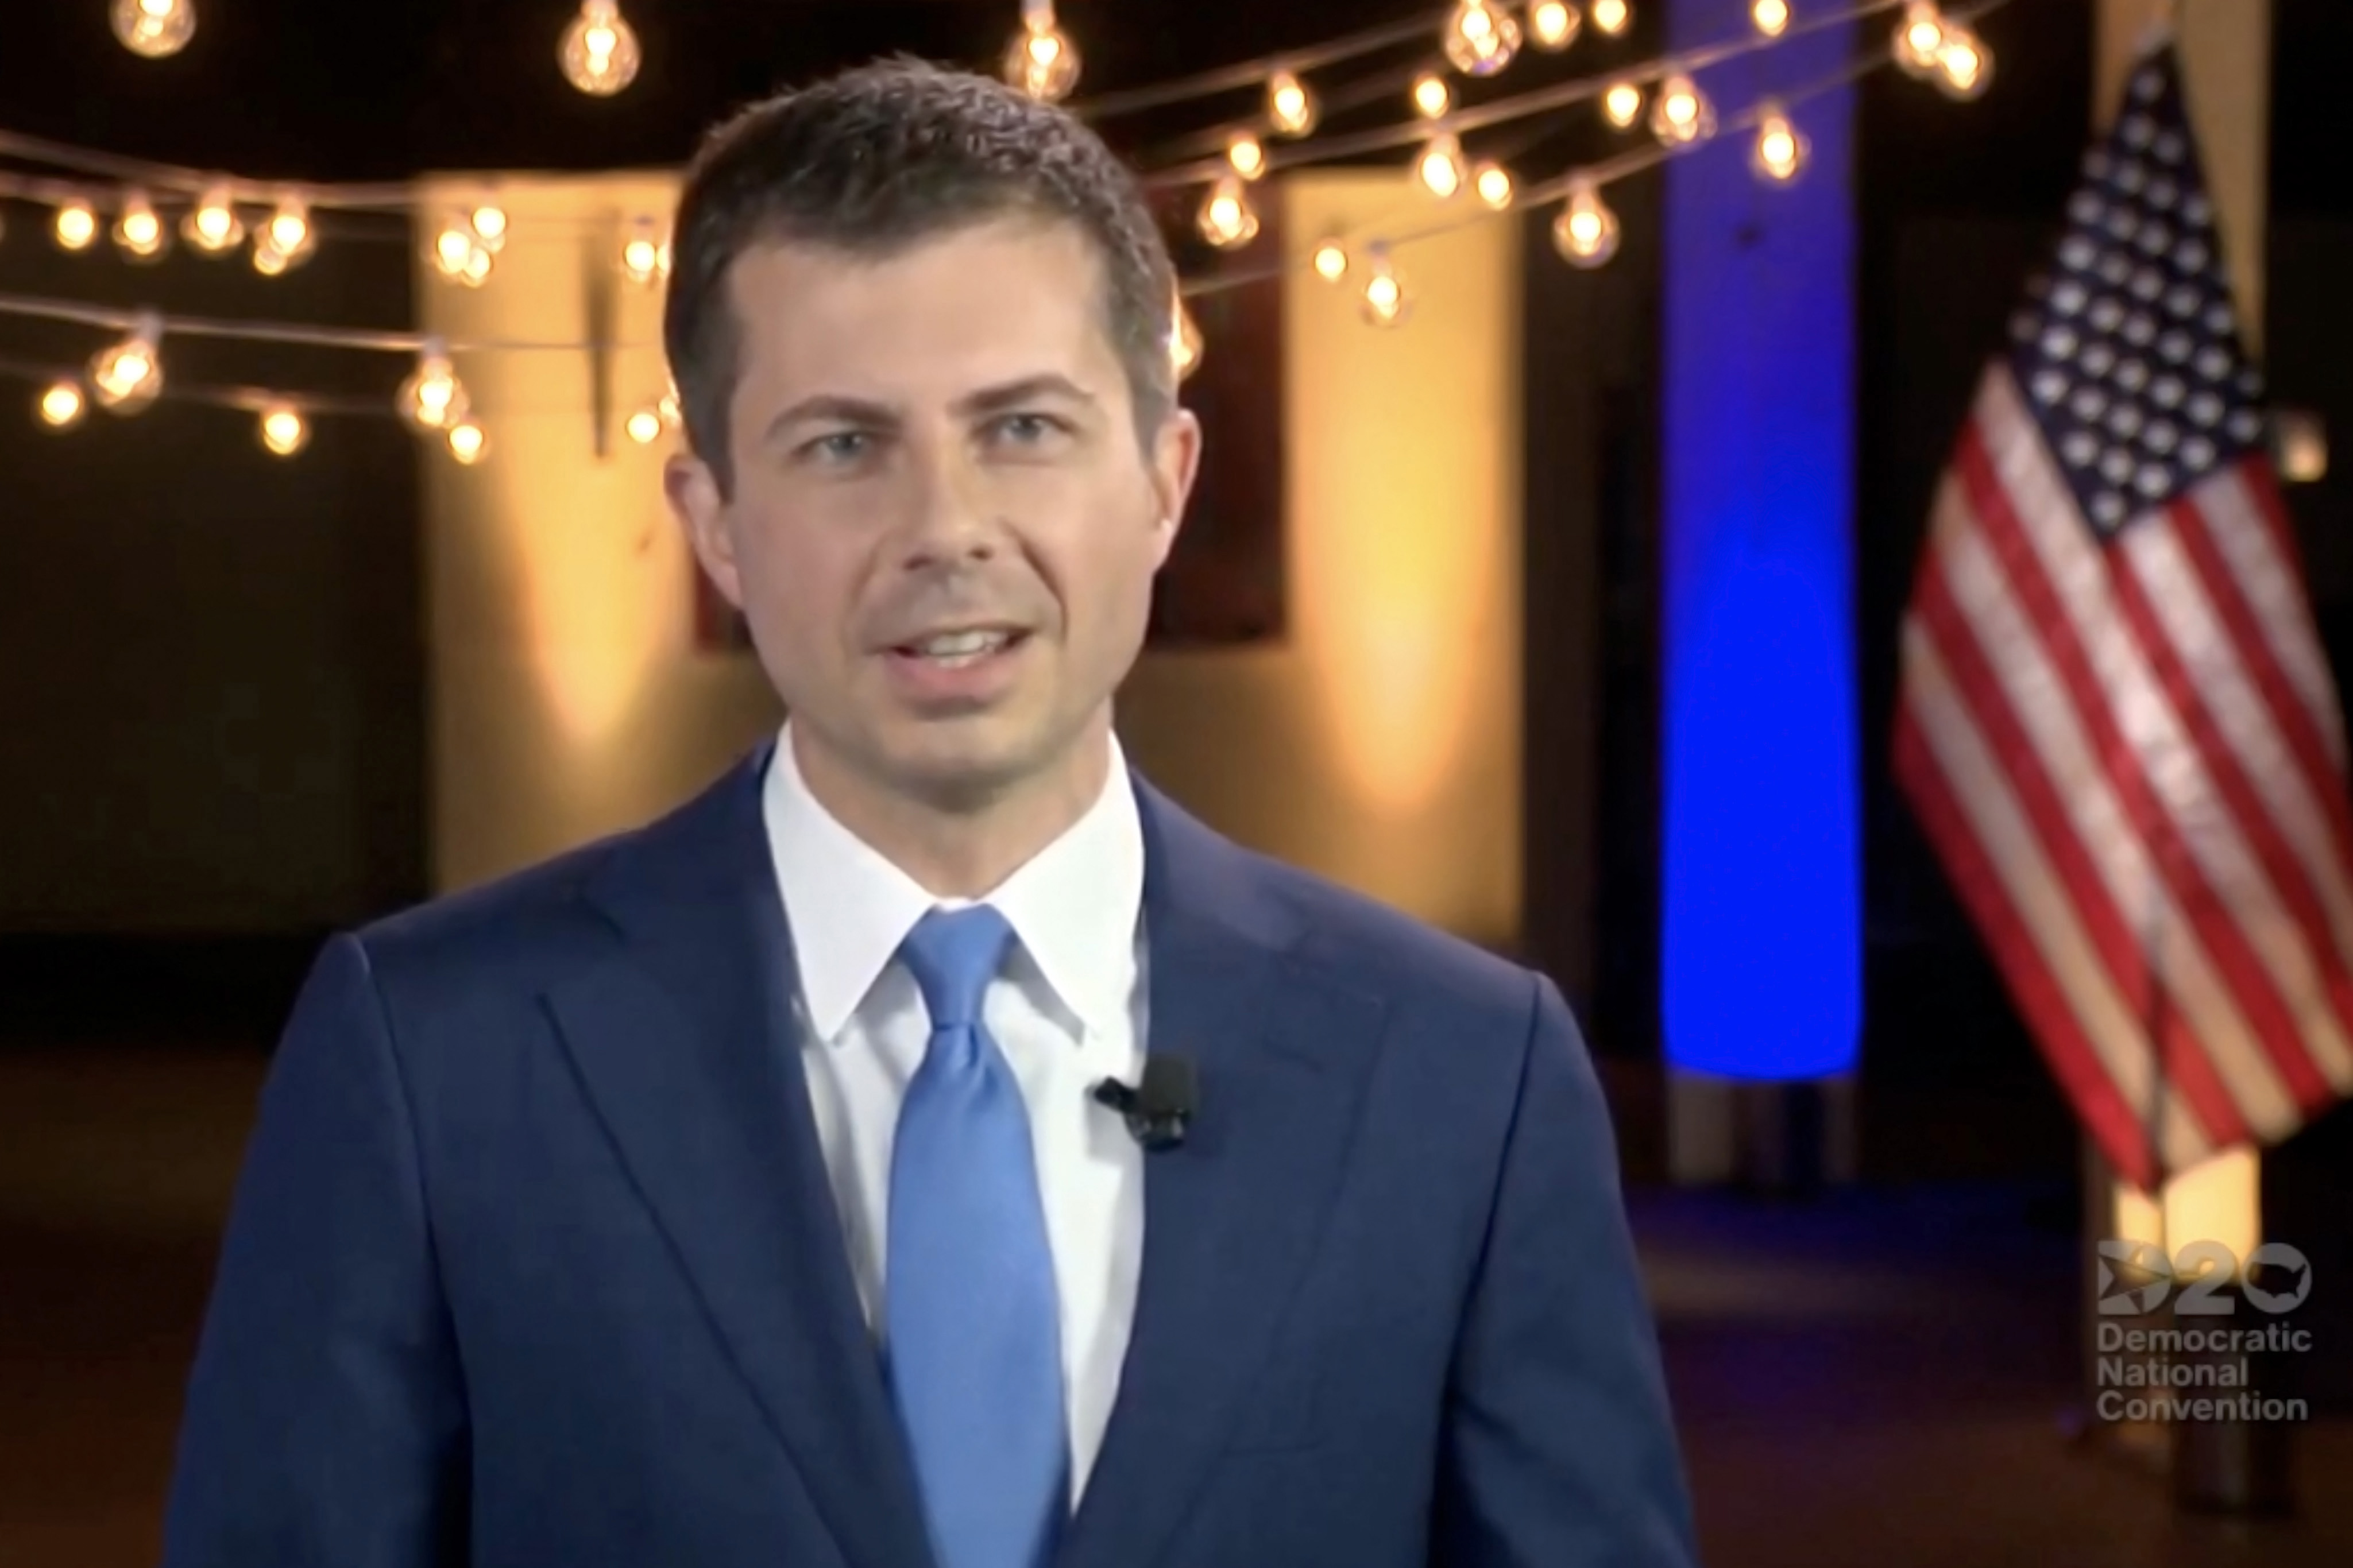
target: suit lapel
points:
(1232, 1216)
(685, 1042)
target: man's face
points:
(943, 531)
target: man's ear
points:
(693, 491)
(1176, 464)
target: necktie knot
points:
(954, 955)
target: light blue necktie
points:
(972, 1331)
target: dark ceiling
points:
(301, 89)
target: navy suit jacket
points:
(534, 1261)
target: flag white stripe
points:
(2035, 695)
(1983, 793)
(2242, 533)
(2211, 656)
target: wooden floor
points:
(1877, 1378)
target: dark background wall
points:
(210, 682)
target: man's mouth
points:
(953, 650)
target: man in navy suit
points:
(734, 1194)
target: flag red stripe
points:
(2120, 948)
(2194, 527)
(2206, 914)
(2276, 1026)
(2041, 999)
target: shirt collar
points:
(1074, 906)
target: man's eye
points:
(1029, 430)
(840, 446)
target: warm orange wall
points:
(1378, 745)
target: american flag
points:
(2117, 724)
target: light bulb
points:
(1440, 167)
(1185, 344)
(127, 376)
(76, 224)
(1384, 303)
(1918, 38)
(1585, 232)
(1247, 155)
(1480, 38)
(1331, 261)
(1780, 152)
(1680, 114)
(468, 444)
(1611, 18)
(489, 223)
(285, 239)
(465, 248)
(1493, 183)
(1431, 96)
(1771, 16)
(1290, 107)
(1226, 220)
(644, 257)
(599, 52)
(137, 229)
(284, 430)
(213, 226)
(1621, 105)
(1042, 61)
(1553, 24)
(645, 426)
(155, 27)
(61, 403)
(431, 399)
(1964, 69)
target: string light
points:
(284, 431)
(1041, 61)
(1553, 23)
(431, 399)
(137, 229)
(1780, 151)
(1480, 40)
(645, 254)
(1185, 345)
(1290, 107)
(76, 224)
(1226, 220)
(599, 52)
(646, 426)
(1621, 105)
(467, 245)
(154, 28)
(286, 240)
(1248, 156)
(1384, 303)
(61, 405)
(468, 443)
(1964, 69)
(1918, 38)
(1493, 183)
(1441, 166)
(1771, 17)
(1585, 232)
(1431, 97)
(212, 226)
(1612, 17)
(1680, 114)
(126, 375)
(1331, 260)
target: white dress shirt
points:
(1068, 1011)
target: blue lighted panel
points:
(1761, 949)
